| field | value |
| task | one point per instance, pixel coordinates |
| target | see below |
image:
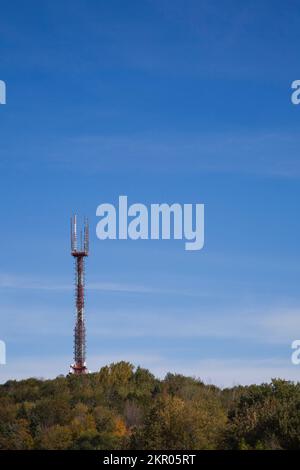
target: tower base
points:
(78, 369)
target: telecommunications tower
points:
(79, 250)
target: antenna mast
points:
(79, 254)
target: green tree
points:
(56, 437)
(175, 424)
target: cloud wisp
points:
(8, 281)
(268, 152)
(255, 153)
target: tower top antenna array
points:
(81, 246)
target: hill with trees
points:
(123, 407)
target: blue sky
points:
(164, 101)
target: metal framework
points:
(79, 250)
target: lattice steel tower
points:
(79, 250)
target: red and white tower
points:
(79, 250)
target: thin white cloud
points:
(281, 326)
(270, 153)
(9, 281)
(267, 152)
(270, 325)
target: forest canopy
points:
(123, 407)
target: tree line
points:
(123, 407)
